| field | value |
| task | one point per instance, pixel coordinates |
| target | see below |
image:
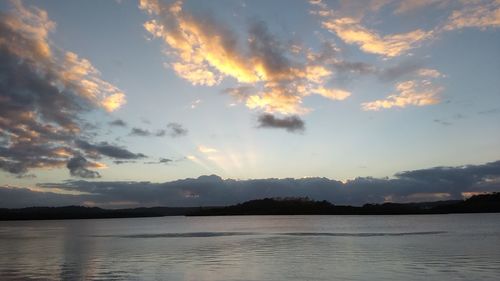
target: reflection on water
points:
(434, 247)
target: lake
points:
(430, 247)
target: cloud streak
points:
(351, 28)
(408, 93)
(107, 149)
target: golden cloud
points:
(479, 14)
(348, 25)
(351, 31)
(206, 149)
(411, 92)
(205, 53)
(46, 90)
(30, 27)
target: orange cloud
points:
(55, 87)
(479, 14)
(351, 31)
(347, 23)
(412, 92)
(205, 53)
(30, 27)
(428, 72)
(206, 149)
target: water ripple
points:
(222, 234)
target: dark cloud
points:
(362, 68)
(23, 197)
(264, 45)
(240, 93)
(43, 95)
(119, 162)
(107, 149)
(165, 160)
(161, 161)
(440, 183)
(176, 130)
(140, 132)
(118, 123)
(490, 111)
(442, 122)
(160, 133)
(173, 130)
(399, 70)
(289, 123)
(77, 167)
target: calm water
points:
(434, 247)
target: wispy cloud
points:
(138, 132)
(161, 160)
(412, 92)
(176, 130)
(352, 31)
(195, 104)
(351, 27)
(406, 6)
(206, 149)
(475, 14)
(107, 149)
(172, 129)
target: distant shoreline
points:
(487, 203)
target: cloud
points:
(106, 149)
(400, 70)
(351, 30)
(348, 23)
(44, 91)
(206, 150)
(417, 185)
(411, 92)
(161, 161)
(195, 104)
(119, 162)
(173, 130)
(165, 160)
(78, 165)
(118, 123)
(430, 73)
(289, 123)
(490, 111)
(205, 52)
(442, 122)
(475, 14)
(176, 130)
(140, 132)
(406, 6)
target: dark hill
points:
(80, 212)
(487, 203)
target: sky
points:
(187, 103)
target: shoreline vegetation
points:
(485, 203)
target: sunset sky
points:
(119, 103)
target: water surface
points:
(430, 247)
